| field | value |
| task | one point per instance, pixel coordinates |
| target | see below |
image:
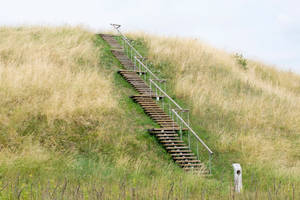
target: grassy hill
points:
(69, 131)
(250, 110)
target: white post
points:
(237, 169)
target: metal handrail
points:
(117, 26)
(166, 95)
(198, 138)
(147, 69)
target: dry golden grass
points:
(52, 73)
(254, 111)
(63, 133)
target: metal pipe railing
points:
(198, 138)
(117, 26)
(166, 95)
(145, 67)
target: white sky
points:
(268, 30)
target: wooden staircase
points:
(167, 135)
(118, 51)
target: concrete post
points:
(237, 169)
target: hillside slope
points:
(251, 111)
(69, 131)
(68, 128)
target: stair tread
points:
(174, 141)
(179, 151)
(174, 145)
(188, 161)
(182, 154)
(178, 147)
(194, 164)
(160, 135)
(183, 158)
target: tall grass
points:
(68, 128)
(69, 131)
(251, 111)
(52, 72)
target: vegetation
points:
(69, 131)
(248, 112)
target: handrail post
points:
(180, 132)
(197, 151)
(140, 69)
(134, 63)
(189, 139)
(209, 164)
(150, 88)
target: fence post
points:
(237, 170)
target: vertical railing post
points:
(197, 151)
(150, 87)
(156, 92)
(173, 119)
(189, 139)
(134, 63)
(140, 69)
(163, 103)
(180, 133)
(169, 108)
(209, 164)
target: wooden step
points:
(159, 118)
(177, 148)
(153, 111)
(169, 123)
(160, 132)
(167, 135)
(174, 145)
(147, 104)
(165, 120)
(192, 165)
(179, 151)
(171, 141)
(188, 161)
(163, 132)
(185, 158)
(182, 154)
(167, 138)
(125, 72)
(158, 115)
(162, 129)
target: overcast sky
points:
(267, 30)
